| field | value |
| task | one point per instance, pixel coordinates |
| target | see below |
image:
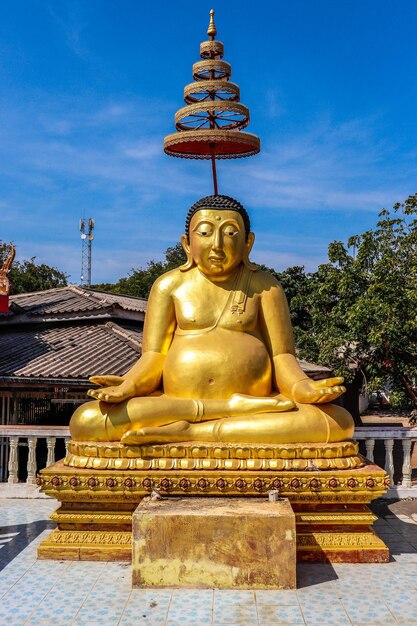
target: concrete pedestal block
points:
(240, 543)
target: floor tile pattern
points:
(65, 593)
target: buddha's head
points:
(217, 236)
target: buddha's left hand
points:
(114, 389)
(308, 391)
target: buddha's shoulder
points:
(169, 281)
(263, 280)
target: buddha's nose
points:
(218, 240)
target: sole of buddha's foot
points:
(178, 431)
(241, 404)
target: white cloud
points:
(69, 19)
(327, 167)
(145, 149)
(70, 155)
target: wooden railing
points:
(27, 436)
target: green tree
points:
(363, 306)
(26, 276)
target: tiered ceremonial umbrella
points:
(210, 125)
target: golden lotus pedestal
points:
(100, 485)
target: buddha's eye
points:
(203, 229)
(231, 232)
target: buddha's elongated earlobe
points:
(249, 243)
(190, 261)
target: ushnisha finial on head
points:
(212, 31)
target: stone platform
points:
(328, 485)
(226, 543)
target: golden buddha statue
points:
(218, 361)
(218, 373)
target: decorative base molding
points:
(88, 545)
(214, 456)
(332, 519)
(341, 547)
(344, 486)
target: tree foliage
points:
(26, 276)
(363, 305)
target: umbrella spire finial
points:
(212, 30)
(212, 122)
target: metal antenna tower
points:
(86, 230)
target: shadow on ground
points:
(397, 525)
(14, 539)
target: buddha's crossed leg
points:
(308, 423)
(99, 421)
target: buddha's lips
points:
(216, 259)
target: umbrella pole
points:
(214, 170)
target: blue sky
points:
(89, 89)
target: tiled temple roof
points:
(70, 303)
(69, 333)
(67, 351)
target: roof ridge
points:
(123, 332)
(89, 293)
(113, 294)
(73, 298)
(94, 295)
(79, 290)
(30, 293)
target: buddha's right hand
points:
(114, 389)
(108, 380)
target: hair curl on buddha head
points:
(220, 203)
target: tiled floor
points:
(70, 593)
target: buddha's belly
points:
(216, 365)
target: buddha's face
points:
(218, 241)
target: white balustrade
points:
(388, 434)
(13, 461)
(389, 459)
(50, 445)
(370, 445)
(406, 469)
(31, 466)
(20, 435)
